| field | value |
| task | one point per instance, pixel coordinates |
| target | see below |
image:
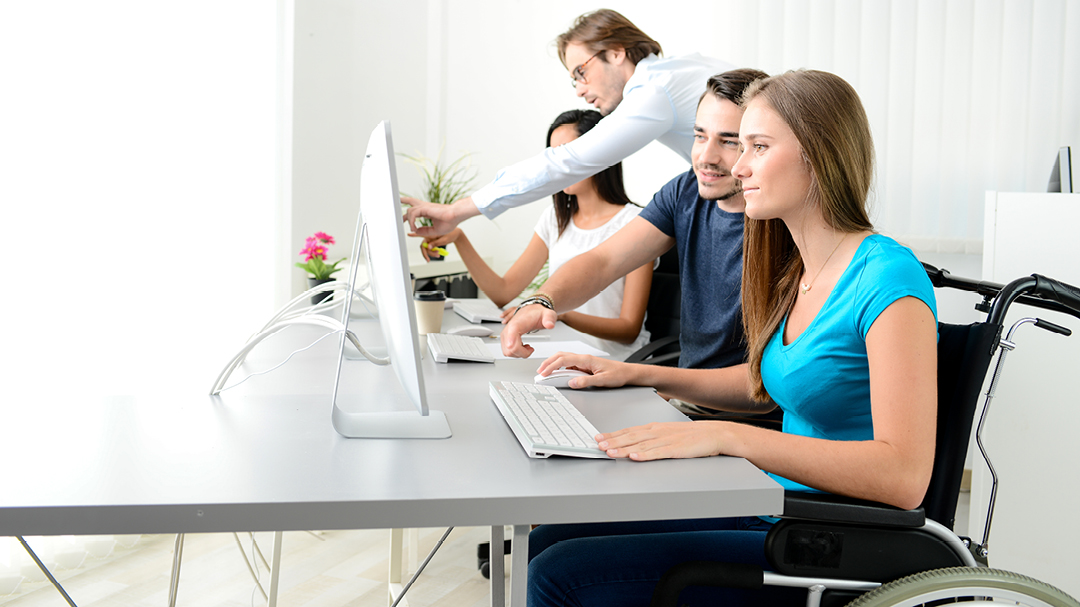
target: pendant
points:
(805, 288)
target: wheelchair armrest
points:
(835, 508)
(650, 348)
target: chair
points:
(662, 315)
(839, 548)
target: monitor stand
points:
(391, 424)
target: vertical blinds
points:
(963, 96)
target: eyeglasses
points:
(578, 73)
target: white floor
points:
(325, 569)
(322, 569)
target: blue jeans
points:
(620, 563)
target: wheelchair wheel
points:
(973, 585)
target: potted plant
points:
(319, 272)
(442, 183)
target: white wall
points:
(1030, 428)
(138, 184)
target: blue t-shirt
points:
(709, 242)
(822, 379)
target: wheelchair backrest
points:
(964, 355)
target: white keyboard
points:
(478, 310)
(459, 347)
(544, 422)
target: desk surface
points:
(264, 456)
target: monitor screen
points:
(1061, 176)
(381, 229)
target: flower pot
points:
(314, 282)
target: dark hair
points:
(604, 30)
(609, 182)
(731, 84)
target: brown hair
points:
(604, 30)
(827, 117)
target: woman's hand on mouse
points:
(604, 373)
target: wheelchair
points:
(849, 551)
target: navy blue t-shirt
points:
(709, 241)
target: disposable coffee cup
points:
(429, 310)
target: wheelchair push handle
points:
(1039, 291)
(1055, 290)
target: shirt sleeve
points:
(661, 210)
(888, 277)
(645, 113)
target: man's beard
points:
(713, 168)
(733, 193)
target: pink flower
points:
(324, 238)
(315, 252)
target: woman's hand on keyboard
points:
(665, 440)
(527, 319)
(604, 373)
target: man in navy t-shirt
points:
(700, 213)
(708, 238)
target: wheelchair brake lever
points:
(1055, 328)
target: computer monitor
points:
(1061, 176)
(381, 229)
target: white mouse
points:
(559, 378)
(470, 330)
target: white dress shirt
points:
(659, 103)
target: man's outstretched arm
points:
(581, 278)
(444, 217)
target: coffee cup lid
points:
(429, 296)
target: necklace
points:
(805, 287)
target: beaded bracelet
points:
(549, 298)
(537, 300)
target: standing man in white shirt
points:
(644, 97)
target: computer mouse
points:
(470, 330)
(559, 378)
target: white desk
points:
(264, 457)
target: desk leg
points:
(519, 565)
(174, 578)
(395, 585)
(495, 562)
(275, 571)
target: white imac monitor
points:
(382, 231)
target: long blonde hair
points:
(829, 121)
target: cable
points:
(287, 359)
(310, 315)
(421, 568)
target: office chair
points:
(839, 548)
(662, 315)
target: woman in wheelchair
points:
(841, 329)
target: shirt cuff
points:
(483, 199)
